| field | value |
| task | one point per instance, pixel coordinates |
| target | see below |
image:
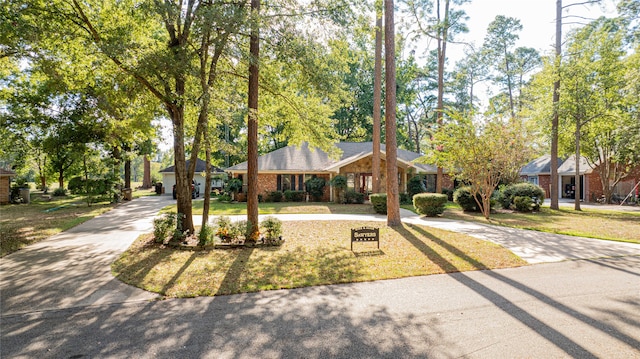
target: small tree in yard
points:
(339, 182)
(481, 154)
(315, 187)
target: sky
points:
(536, 16)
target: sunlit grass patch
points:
(314, 253)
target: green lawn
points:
(314, 253)
(220, 208)
(24, 224)
(610, 225)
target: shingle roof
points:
(541, 165)
(201, 166)
(303, 159)
(5, 172)
(569, 166)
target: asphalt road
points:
(580, 309)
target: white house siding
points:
(169, 179)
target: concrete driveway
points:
(73, 268)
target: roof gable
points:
(568, 167)
(303, 159)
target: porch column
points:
(404, 182)
(330, 188)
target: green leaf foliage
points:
(429, 204)
(379, 202)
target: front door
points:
(366, 184)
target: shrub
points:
(60, 192)
(522, 203)
(240, 229)
(76, 185)
(274, 196)
(205, 236)
(294, 196)
(448, 192)
(178, 234)
(162, 226)
(379, 202)
(462, 196)
(315, 187)
(223, 229)
(351, 196)
(405, 198)
(233, 185)
(524, 189)
(224, 198)
(272, 230)
(415, 185)
(429, 204)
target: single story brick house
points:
(538, 172)
(199, 176)
(5, 185)
(288, 168)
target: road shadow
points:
(554, 336)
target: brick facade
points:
(5, 190)
(268, 182)
(594, 184)
(544, 181)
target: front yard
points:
(314, 253)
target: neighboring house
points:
(5, 185)
(538, 171)
(290, 167)
(199, 176)
(567, 179)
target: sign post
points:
(365, 234)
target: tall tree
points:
(502, 34)
(377, 99)
(393, 197)
(252, 133)
(442, 26)
(556, 100)
(162, 62)
(609, 139)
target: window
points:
(430, 183)
(351, 181)
(300, 182)
(533, 179)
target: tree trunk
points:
(509, 84)
(377, 99)
(442, 53)
(577, 175)
(127, 173)
(146, 181)
(393, 200)
(252, 130)
(207, 181)
(553, 190)
(183, 185)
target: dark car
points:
(195, 190)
